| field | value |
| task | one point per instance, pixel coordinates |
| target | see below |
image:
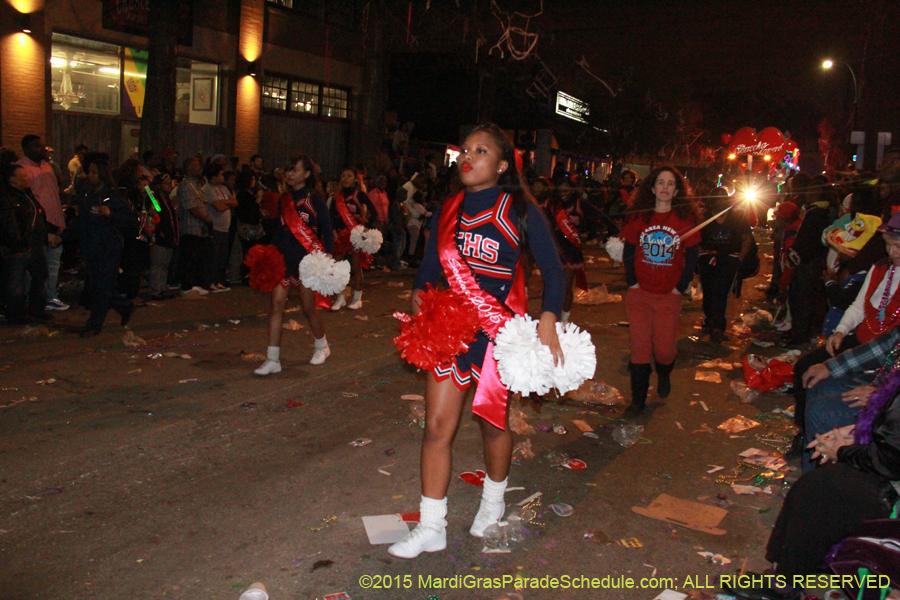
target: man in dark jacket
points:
(23, 239)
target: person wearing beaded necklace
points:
(858, 482)
(875, 311)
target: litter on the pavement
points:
(292, 325)
(693, 515)
(561, 509)
(597, 392)
(476, 478)
(708, 376)
(573, 464)
(763, 458)
(668, 594)
(596, 295)
(716, 559)
(582, 425)
(360, 442)
(522, 450)
(413, 397)
(385, 529)
(738, 423)
(716, 364)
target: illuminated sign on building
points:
(571, 107)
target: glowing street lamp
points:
(732, 156)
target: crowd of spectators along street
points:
(96, 222)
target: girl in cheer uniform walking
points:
(304, 227)
(478, 239)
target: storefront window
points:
(334, 103)
(305, 97)
(274, 92)
(85, 75)
(94, 77)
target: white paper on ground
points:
(385, 529)
(671, 595)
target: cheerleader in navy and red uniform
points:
(477, 242)
(304, 217)
(351, 207)
(566, 215)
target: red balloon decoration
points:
(743, 141)
(444, 326)
(266, 265)
(772, 143)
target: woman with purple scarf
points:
(857, 481)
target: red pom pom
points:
(342, 245)
(266, 265)
(445, 326)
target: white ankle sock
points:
(273, 352)
(494, 490)
(564, 316)
(357, 295)
(321, 343)
(432, 512)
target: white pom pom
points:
(525, 365)
(367, 240)
(372, 240)
(323, 274)
(615, 247)
(580, 358)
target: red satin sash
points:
(567, 229)
(303, 232)
(491, 395)
(341, 204)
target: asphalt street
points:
(166, 470)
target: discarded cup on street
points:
(742, 391)
(627, 434)
(495, 537)
(561, 509)
(256, 591)
(515, 528)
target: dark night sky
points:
(746, 63)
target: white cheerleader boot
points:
(322, 352)
(430, 535)
(356, 303)
(272, 363)
(340, 303)
(491, 508)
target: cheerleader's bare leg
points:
(498, 445)
(308, 301)
(443, 410)
(356, 277)
(272, 363)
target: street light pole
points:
(827, 64)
